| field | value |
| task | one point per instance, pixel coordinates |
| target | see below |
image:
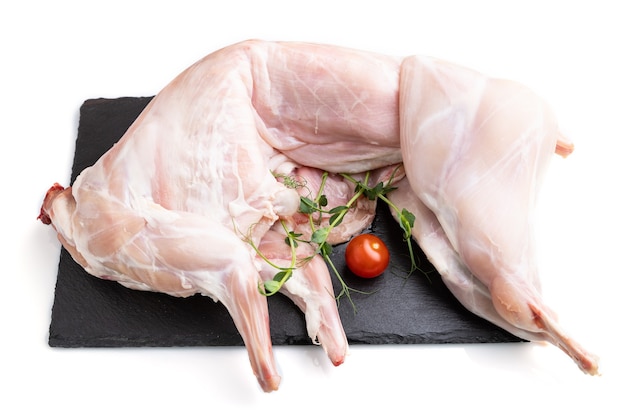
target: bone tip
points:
(338, 360)
(564, 146)
(270, 384)
(591, 365)
(564, 150)
(50, 194)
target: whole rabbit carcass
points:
(181, 203)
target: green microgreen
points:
(315, 207)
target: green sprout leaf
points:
(271, 287)
(407, 220)
(307, 206)
(326, 249)
(282, 276)
(319, 236)
(338, 213)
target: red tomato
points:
(367, 256)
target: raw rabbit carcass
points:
(181, 203)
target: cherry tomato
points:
(367, 256)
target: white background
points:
(56, 54)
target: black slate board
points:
(90, 312)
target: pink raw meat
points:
(177, 205)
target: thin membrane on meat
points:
(475, 151)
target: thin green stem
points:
(272, 287)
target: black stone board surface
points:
(90, 312)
